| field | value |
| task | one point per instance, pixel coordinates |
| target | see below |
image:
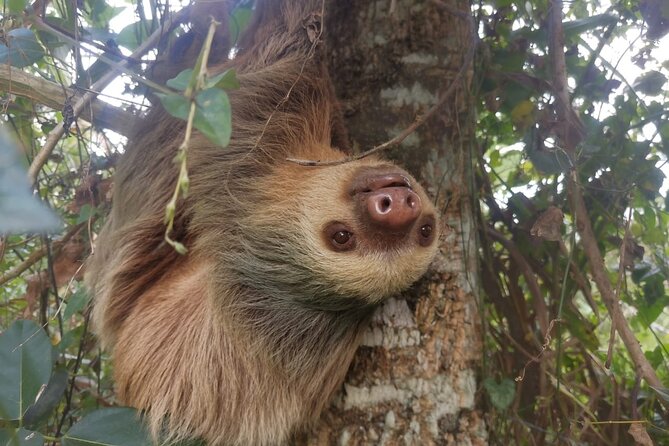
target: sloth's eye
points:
(340, 237)
(426, 233)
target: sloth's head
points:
(336, 237)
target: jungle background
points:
(566, 152)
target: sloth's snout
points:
(394, 208)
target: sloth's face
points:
(372, 230)
(336, 237)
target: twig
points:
(36, 255)
(53, 280)
(584, 226)
(196, 85)
(544, 347)
(75, 369)
(419, 121)
(580, 280)
(58, 131)
(621, 277)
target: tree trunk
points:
(414, 379)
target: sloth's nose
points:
(394, 208)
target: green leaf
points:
(25, 356)
(175, 104)
(101, 13)
(214, 116)
(501, 394)
(650, 83)
(22, 48)
(20, 211)
(48, 400)
(578, 27)
(239, 20)
(17, 6)
(116, 426)
(134, 34)
(227, 80)
(20, 437)
(76, 303)
(647, 313)
(182, 80)
(663, 393)
(85, 213)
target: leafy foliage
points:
(549, 326)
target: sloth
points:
(244, 340)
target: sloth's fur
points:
(243, 340)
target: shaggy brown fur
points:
(244, 340)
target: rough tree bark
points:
(414, 380)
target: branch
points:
(583, 224)
(55, 135)
(601, 279)
(53, 95)
(420, 120)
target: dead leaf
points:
(548, 225)
(641, 437)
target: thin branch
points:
(579, 278)
(75, 369)
(420, 120)
(621, 278)
(55, 135)
(544, 348)
(124, 67)
(601, 279)
(53, 95)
